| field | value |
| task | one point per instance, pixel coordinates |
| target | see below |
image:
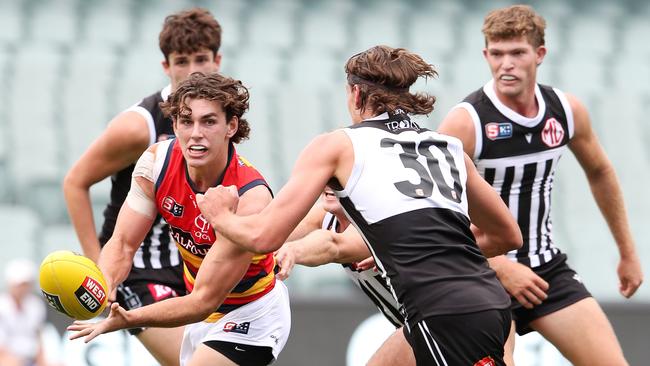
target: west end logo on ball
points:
(90, 294)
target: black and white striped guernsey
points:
(157, 250)
(406, 195)
(371, 283)
(518, 156)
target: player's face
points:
(204, 134)
(513, 64)
(330, 201)
(181, 65)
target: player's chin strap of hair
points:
(355, 80)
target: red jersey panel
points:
(176, 203)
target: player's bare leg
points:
(164, 344)
(206, 356)
(509, 347)
(582, 333)
(394, 351)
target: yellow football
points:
(73, 285)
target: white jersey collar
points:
(488, 89)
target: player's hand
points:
(522, 283)
(286, 259)
(630, 275)
(216, 201)
(117, 319)
(367, 264)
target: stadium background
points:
(68, 66)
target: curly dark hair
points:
(384, 75)
(189, 31)
(230, 93)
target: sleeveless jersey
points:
(371, 283)
(157, 250)
(406, 195)
(518, 156)
(176, 202)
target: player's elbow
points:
(511, 239)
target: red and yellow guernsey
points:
(176, 202)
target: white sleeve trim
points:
(149, 118)
(567, 110)
(478, 132)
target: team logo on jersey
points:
(486, 361)
(170, 205)
(498, 131)
(243, 162)
(553, 133)
(232, 327)
(90, 294)
(203, 226)
(159, 292)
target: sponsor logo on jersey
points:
(170, 205)
(241, 328)
(90, 294)
(498, 131)
(553, 133)
(186, 241)
(159, 292)
(54, 302)
(404, 124)
(203, 226)
(486, 361)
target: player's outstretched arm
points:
(608, 195)
(126, 137)
(268, 230)
(221, 270)
(321, 247)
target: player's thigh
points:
(164, 344)
(206, 356)
(394, 351)
(509, 347)
(583, 334)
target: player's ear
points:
(356, 94)
(233, 126)
(540, 53)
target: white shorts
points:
(264, 322)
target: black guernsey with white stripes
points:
(518, 156)
(370, 282)
(406, 195)
(157, 250)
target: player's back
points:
(406, 194)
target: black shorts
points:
(564, 288)
(147, 286)
(243, 354)
(465, 339)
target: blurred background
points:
(68, 66)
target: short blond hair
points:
(513, 22)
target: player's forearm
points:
(252, 233)
(81, 215)
(171, 313)
(115, 262)
(609, 197)
(315, 249)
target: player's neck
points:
(524, 103)
(205, 177)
